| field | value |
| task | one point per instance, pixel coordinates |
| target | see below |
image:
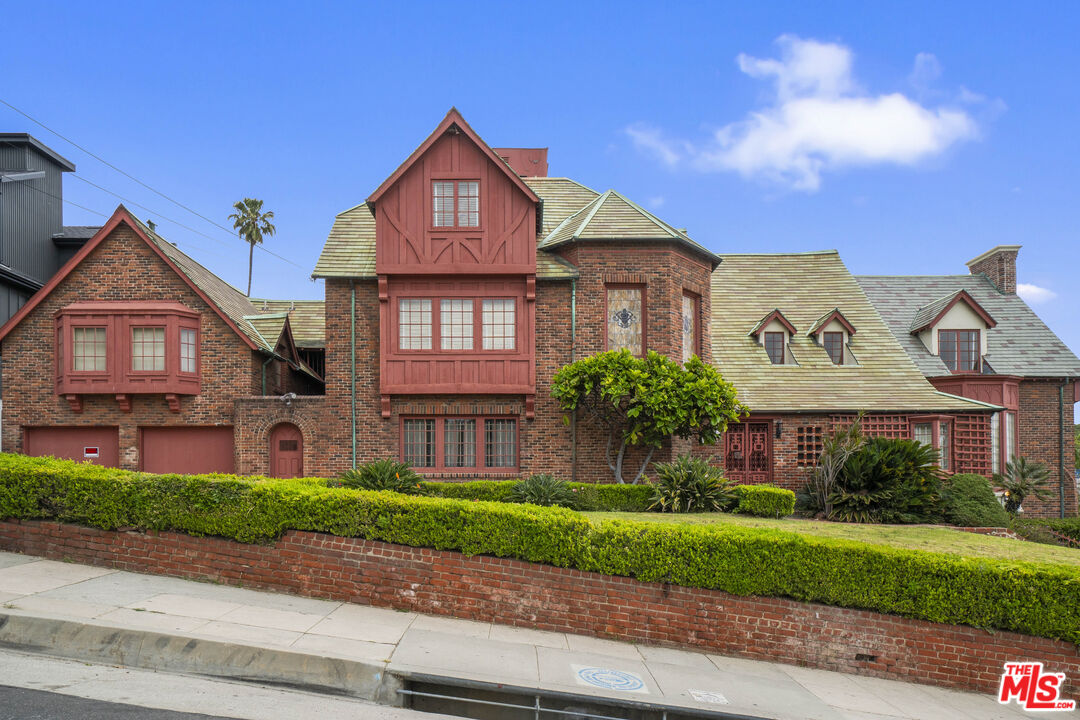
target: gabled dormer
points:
(833, 333)
(455, 207)
(954, 328)
(774, 333)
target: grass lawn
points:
(935, 539)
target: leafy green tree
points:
(251, 224)
(644, 401)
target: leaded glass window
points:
(625, 324)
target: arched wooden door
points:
(286, 451)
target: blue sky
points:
(959, 119)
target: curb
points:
(153, 650)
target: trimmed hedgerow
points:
(600, 497)
(945, 588)
(1029, 528)
(764, 501)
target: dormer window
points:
(773, 332)
(774, 347)
(832, 332)
(833, 342)
(954, 328)
(959, 350)
(455, 203)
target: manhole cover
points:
(610, 679)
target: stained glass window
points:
(689, 327)
(624, 320)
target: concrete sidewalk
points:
(164, 623)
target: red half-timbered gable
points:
(456, 263)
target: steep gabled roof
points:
(748, 287)
(307, 319)
(827, 318)
(453, 118)
(929, 315)
(1019, 344)
(763, 323)
(612, 216)
(225, 300)
(562, 197)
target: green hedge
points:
(600, 497)
(764, 501)
(946, 588)
(1069, 527)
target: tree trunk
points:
(644, 466)
(251, 255)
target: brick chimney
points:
(998, 264)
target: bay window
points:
(460, 444)
(935, 432)
(455, 324)
(148, 349)
(189, 351)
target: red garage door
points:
(100, 445)
(186, 449)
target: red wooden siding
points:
(1002, 390)
(458, 371)
(505, 241)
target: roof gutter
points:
(352, 366)
(1061, 447)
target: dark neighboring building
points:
(34, 242)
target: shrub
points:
(690, 484)
(889, 480)
(969, 501)
(764, 501)
(836, 448)
(543, 489)
(939, 587)
(1022, 479)
(386, 474)
(602, 497)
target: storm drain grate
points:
(489, 701)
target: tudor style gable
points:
(454, 206)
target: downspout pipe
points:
(352, 365)
(1061, 447)
(573, 357)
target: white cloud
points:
(657, 201)
(1034, 294)
(819, 120)
(926, 71)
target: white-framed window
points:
(148, 349)
(88, 349)
(456, 324)
(499, 320)
(188, 351)
(455, 203)
(414, 324)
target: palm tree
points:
(1022, 479)
(251, 224)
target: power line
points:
(54, 197)
(140, 182)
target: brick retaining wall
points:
(518, 593)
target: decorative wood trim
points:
(530, 407)
(384, 402)
(173, 401)
(123, 400)
(75, 401)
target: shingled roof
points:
(806, 286)
(307, 318)
(612, 216)
(1020, 344)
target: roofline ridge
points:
(354, 207)
(540, 245)
(779, 254)
(670, 230)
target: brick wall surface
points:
(1000, 268)
(121, 268)
(546, 443)
(556, 599)
(1038, 423)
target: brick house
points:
(453, 294)
(136, 356)
(972, 335)
(807, 351)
